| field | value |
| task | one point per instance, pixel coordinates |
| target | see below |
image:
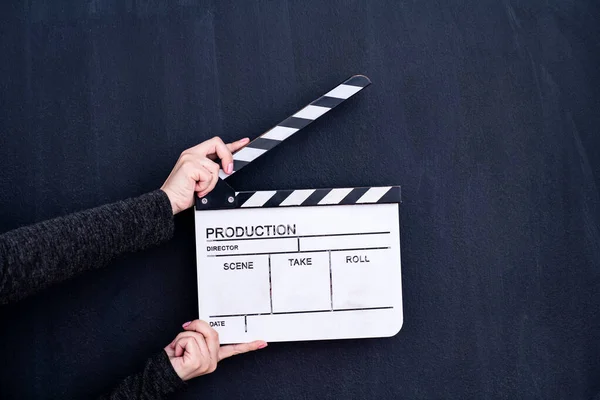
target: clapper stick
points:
(299, 120)
(224, 196)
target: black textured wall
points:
(486, 112)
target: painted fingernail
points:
(186, 324)
(262, 346)
(229, 168)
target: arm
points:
(156, 380)
(36, 256)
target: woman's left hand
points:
(197, 172)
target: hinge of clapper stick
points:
(223, 196)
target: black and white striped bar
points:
(319, 197)
(299, 120)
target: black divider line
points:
(237, 315)
(294, 252)
(330, 282)
(301, 236)
(270, 286)
(364, 309)
(346, 234)
(303, 312)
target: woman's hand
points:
(197, 351)
(196, 171)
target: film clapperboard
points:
(297, 265)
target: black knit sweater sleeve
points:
(37, 256)
(156, 380)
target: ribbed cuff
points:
(164, 374)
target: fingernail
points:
(186, 324)
(245, 140)
(262, 346)
(229, 168)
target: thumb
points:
(235, 349)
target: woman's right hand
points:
(197, 351)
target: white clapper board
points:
(306, 264)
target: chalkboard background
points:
(486, 112)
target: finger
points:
(197, 171)
(193, 342)
(180, 346)
(204, 179)
(170, 351)
(213, 168)
(212, 337)
(172, 344)
(216, 146)
(185, 334)
(225, 155)
(201, 327)
(235, 349)
(188, 350)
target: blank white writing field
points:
(319, 326)
(366, 278)
(300, 282)
(343, 242)
(251, 246)
(242, 285)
